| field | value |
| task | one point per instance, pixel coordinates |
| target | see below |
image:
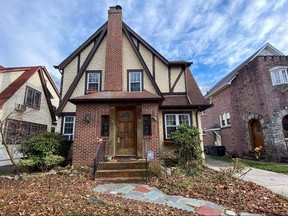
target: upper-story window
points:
(93, 81)
(279, 75)
(32, 97)
(135, 83)
(225, 119)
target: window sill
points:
(168, 142)
(228, 126)
(147, 136)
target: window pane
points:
(284, 75)
(93, 77)
(147, 124)
(29, 97)
(37, 97)
(69, 119)
(93, 86)
(171, 120)
(134, 86)
(277, 77)
(184, 119)
(169, 130)
(105, 125)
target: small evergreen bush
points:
(42, 151)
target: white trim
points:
(70, 135)
(140, 81)
(176, 121)
(99, 80)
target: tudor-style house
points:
(250, 106)
(118, 87)
(28, 101)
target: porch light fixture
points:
(88, 118)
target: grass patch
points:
(273, 167)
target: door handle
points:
(118, 139)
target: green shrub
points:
(42, 151)
(187, 147)
(52, 160)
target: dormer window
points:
(93, 81)
(279, 75)
(135, 83)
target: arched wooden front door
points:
(256, 132)
(126, 133)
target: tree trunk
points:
(10, 154)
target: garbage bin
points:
(217, 150)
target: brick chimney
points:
(113, 65)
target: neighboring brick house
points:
(116, 86)
(28, 101)
(250, 106)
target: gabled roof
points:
(11, 89)
(98, 37)
(1, 67)
(266, 50)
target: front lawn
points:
(70, 193)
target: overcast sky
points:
(216, 35)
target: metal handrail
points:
(97, 157)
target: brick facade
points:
(85, 143)
(114, 47)
(251, 96)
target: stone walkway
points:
(146, 193)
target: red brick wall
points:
(113, 64)
(86, 133)
(152, 143)
(250, 93)
(221, 104)
(85, 145)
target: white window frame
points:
(279, 75)
(130, 82)
(225, 119)
(177, 121)
(99, 80)
(70, 135)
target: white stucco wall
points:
(180, 86)
(7, 78)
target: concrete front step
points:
(122, 165)
(120, 173)
(123, 179)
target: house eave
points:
(113, 100)
(221, 88)
(198, 107)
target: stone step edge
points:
(121, 170)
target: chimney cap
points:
(118, 7)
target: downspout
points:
(197, 124)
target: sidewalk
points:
(276, 182)
(146, 193)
